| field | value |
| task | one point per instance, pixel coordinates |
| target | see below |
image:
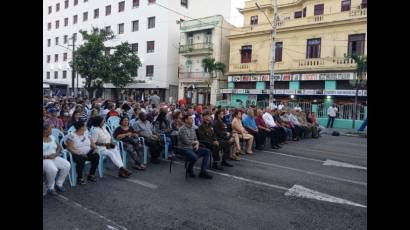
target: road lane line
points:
(288, 155)
(73, 203)
(139, 182)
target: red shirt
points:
(260, 121)
(182, 101)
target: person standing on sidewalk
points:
(331, 113)
(363, 126)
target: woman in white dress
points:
(103, 140)
(52, 162)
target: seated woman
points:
(82, 149)
(102, 139)
(129, 137)
(225, 138)
(237, 128)
(74, 118)
(52, 162)
(162, 126)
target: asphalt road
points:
(290, 188)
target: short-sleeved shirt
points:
(250, 122)
(82, 143)
(99, 135)
(50, 147)
(119, 131)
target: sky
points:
(236, 17)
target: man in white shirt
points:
(279, 132)
(331, 113)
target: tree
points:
(211, 67)
(89, 59)
(124, 64)
(361, 69)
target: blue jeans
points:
(363, 125)
(194, 155)
(289, 133)
(167, 141)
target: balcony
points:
(243, 67)
(330, 63)
(194, 77)
(327, 18)
(198, 48)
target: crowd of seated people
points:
(212, 133)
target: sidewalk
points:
(346, 132)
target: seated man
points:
(270, 122)
(189, 145)
(304, 124)
(250, 125)
(262, 127)
(283, 125)
(144, 129)
(207, 137)
(299, 131)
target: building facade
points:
(312, 42)
(150, 26)
(202, 38)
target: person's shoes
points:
(191, 174)
(81, 181)
(52, 192)
(259, 148)
(122, 173)
(278, 146)
(205, 175)
(234, 158)
(226, 164)
(138, 167)
(274, 147)
(60, 188)
(127, 172)
(249, 153)
(216, 167)
(91, 178)
(155, 161)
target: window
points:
(346, 5)
(75, 2)
(108, 28)
(135, 25)
(50, 9)
(64, 74)
(56, 40)
(121, 6)
(364, 4)
(65, 21)
(151, 1)
(85, 16)
(151, 22)
(55, 74)
(150, 46)
(254, 20)
(96, 13)
(48, 75)
(304, 12)
(65, 39)
(49, 42)
(107, 10)
(356, 44)
(184, 3)
(64, 56)
(298, 14)
(149, 70)
(135, 3)
(246, 54)
(121, 28)
(313, 48)
(57, 7)
(65, 4)
(75, 19)
(319, 9)
(57, 24)
(278, 51)
(49, 26)
(48, 58)
(134, 47)
(55, 57)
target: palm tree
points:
(361, 69)
(211, 67)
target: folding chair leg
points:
(101, 166)
(166, 152)
(145, 155)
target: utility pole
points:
(272, 70)
(73, 70)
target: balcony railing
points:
(196, 47)
(194, 77)
(243, 67)
(326, 18)
(317, 63)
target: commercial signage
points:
(296, 92)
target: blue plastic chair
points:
(113, 122)
(166, 145)
(58, 135)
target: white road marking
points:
(136, 181)
(288, 155)
(342, 164)
(308, 172)
(300, 191)
(111, 227)
(73, 203)
(296, 190)
(356, 156)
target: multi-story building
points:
(313, 39)
(150, 26)
(202, 38)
